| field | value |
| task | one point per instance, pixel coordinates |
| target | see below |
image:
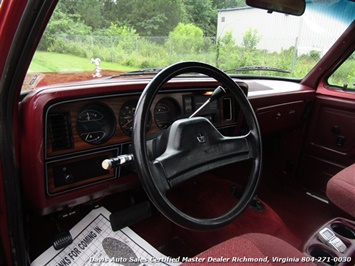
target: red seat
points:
(341, 190)
(253, 249)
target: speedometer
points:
(96, 123)
(126, 117)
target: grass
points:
(56, 62)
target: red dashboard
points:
(69, 131)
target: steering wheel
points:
(192, 146)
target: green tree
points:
(115, 30)
(251, 38)
(114, 11)
(186, 30)
(186, 38)
(228, 53)
(202, 14)
(155, 18)
(90, 11)
(219, 4)
(62, 23)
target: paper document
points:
(94, 243)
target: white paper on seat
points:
(94, 243)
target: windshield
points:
(91, 39)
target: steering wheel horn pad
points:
(195, 146)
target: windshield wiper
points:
(146, 71)
(150, 71)
(258, 68)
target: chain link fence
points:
(141, 52)
(154, 52)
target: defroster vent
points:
(60, 131)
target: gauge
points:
(166, 112)
(96, 123)
(126, 117)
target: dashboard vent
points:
(60, 131)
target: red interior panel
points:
(280, 117)
(330, 144)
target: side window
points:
(344, 77)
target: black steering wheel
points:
(192, 146)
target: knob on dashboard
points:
(69, 178)
(108, 164)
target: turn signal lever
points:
(216, 94)
(117, 161)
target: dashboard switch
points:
(68, 178)
(340, 140)
(278, 115)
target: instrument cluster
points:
(87, 124)
(96, 123)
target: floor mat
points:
(95, 243)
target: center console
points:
(333, 243)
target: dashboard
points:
(67, 131)
(80, 134)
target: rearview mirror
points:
(292, 7)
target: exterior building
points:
(292, 31)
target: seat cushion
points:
(253, 249)
(341, 190)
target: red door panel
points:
(331, 142)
